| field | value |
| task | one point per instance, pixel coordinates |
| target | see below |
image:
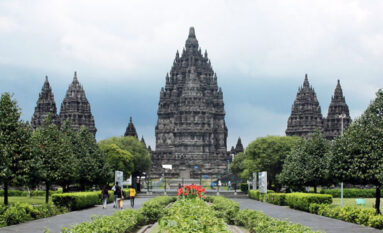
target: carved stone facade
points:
(131, 130)
(338, 107)
(191, 132)
(306, 113)
(45, 106)
(76, 108)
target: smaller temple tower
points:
(239, 146)
(131, 130)
(45, 106)
(337, 108)
(76, 107)
(306, 113)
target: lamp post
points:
(341, 116)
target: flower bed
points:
(191, 191)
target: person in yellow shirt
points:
(132, 195)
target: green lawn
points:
(36, 200)
(351, 202)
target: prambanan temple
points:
(306, 113)
(75, 107)
(191, 132)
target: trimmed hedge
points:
(302, 201)
(225, 208)
(351, 193)
(76, 201)
(18, 193)
(23, 212)
(259, 196)
(127, 220)
(256, 221)
(276, 198)
(362, 216)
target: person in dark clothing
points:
(105, 196)
(117, 195)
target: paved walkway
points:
(316, 222)
(55, 223)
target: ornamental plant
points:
(191, 191)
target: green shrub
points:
(276, 198)
(302, 201)
(225, 208)
(351, 214)
(245, 187)
(191, 215)
(18, 193)
(351, 193)
(124, 221)
(76, 201)
(256, 221)
(153, 209)
(256, 195)
(23, 212)
(376, 221)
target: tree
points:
(268, 154)
(307, 165)
(93, 168)
(141, 157)
(357, 156)
(237, 166)
(118, 159)
(14, 144)
(46, 158)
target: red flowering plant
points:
(191, 191)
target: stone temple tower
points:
(306, 113)
(76, 107)
(191, 132)
(45, 106)
(131, 130)
(333, 122)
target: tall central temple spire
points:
(191, 131)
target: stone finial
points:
(131, 130)
(191, 33)
(306, 81)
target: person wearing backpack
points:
(117, 196)
(105, 196)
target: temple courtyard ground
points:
(54, 224)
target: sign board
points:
(195, 167)
(118, 177)
(213, 184)
(128, 181)
(262, 182)
(167, 166)
(254, 181)
(206, 176)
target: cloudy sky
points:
(260, 51)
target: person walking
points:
(117, 196)
(105, 196)
(132, 195)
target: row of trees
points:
(355, 158)
(53, 156)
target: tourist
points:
(229, 184)
(117, 196)
(132, 195)
(105, 196)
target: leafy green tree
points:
(307, 165)
(141, 157)
(46, 158)
(14, 144)
(118, 159)
(357, 156)
(268, 154)
(93, 168)
(238, 166)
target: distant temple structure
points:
(45, 106)
(75, 107)
(131, 130)
(306, 113)
(191, 132)
(238, 148)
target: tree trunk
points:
(47, 192)
(377, 201)
(5, 193)
(315, 189)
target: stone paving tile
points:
(316, 222)
(55, 223)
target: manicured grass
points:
(37, 200)
(370, 202)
